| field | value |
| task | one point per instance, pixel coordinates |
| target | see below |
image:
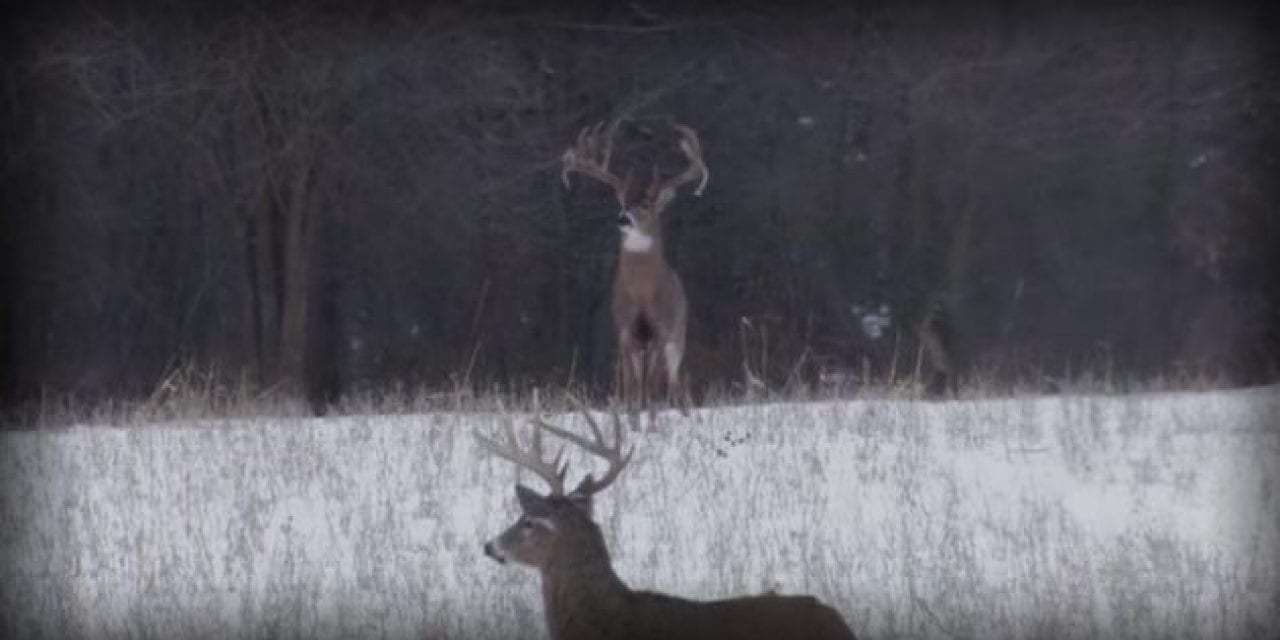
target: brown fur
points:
(584, 599)
(649, 305)
(650, 312)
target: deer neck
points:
(637, 242)
(582, 595)
(640, 266)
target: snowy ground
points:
(1051, 517)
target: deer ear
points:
(582, 501)
(530, 502)
(581, 496)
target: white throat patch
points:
(636, 241)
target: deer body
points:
(585, 600)
(650, 313)
(649, 305)
(582, 596)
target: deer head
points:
(639, 217)
(557, 525)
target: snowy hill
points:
(1096, 516)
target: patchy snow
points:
(1063, 516)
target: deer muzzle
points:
(492, 551)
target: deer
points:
(650, 311)
(583, 598)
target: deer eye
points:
(526, 524)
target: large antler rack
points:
(553, 471)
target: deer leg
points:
(635, 377)
(676, 394)
(626, 370)
(646, 372)
(620, 377)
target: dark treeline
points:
(336, 200)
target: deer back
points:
(646, 615)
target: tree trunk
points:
(298, 244)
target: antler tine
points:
(551, 471)
(592, 146)
(593, 141)
(591, 422)
(597, 446)
(622, 461)
(608, 142)
(569, 159)
(692, 150)
(590, 156)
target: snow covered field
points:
(1040, 517)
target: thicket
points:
(323, 202)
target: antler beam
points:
(596, 446)
(552, 471)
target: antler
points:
(692, 150)
(597, 446)
(589, 156)
(552, 471)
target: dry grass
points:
(1036, 517)
(188, 392)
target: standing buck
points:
(650, 311)
(581, 595)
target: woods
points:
(335, 200)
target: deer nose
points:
(492, 552)
(624, 220)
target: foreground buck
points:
(584, 599)
(649, 307)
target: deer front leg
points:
(630, 370)
(672, 355)
(650, 384)
(644, 373)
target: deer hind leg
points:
(620, 376)
(625, 374)
(647, 382)
(628, 373)
(638, 340)
(633, 362)
(672, 354)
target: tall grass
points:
(1075, 516)
(191, 392)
